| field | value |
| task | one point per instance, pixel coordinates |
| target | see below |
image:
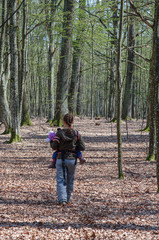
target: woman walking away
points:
(66, 158)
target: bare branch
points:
(40, 23)
(138, 54)
(137, 65)
(142, 18)
(100, 20)
(11, 15)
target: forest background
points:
(95, 59)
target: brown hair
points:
(68, 119)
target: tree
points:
(76, 61)
(114, 44)
(151, 96)
(4, 70)
(64, 63)
(14, 95)
(156, 75)
(130, 69)
(50, 12)
(119, 93)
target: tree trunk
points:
(78, 106)
(64, 64)
(15, 113)
(49, 25)
(126, 109)
(4, 71)
(156, 56)
(119, 94)
(76, 62)
(112, 98)
(151, 103)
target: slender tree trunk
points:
(64, 64)
(4, 71)
(156, 56)
(22, 76)
(49, 25)
(119, 94)
(76, 62)
(111, 107)
(126, 109)
(152, 131)
(92, 76)
(112, 110)
(25, 107)
(78, 106)
(15, 113)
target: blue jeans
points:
(65, 186)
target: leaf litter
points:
(102, 206)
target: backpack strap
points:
(77, 135)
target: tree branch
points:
(100, 20)
(142, 18)
(40, 23)
(137, 65)
(139, 55)
(12, 14)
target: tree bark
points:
(119, 93)
(64, 64)
(151, 103)
(76, 62)
(111, 104)
(126, 109)
(156, 56)
(14, 96)
(4, 71)
(49, 26)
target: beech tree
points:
(119, 93)
(14, 95)
(4, 69)
(126, 106)
(78, 45)
(156, 76)
(64, 63)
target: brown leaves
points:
(102, 206)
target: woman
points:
(66, 158)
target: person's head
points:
(68, 119)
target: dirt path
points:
(103, 207)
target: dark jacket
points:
(66, 140)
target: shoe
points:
(52, 165)
(62, 204)
(82, 160)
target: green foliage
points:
(146, 129)
(150, 158)
(56, 123)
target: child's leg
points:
(53, 164)
(79, 155)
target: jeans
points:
(65, 186)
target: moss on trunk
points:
(121, 176)
(150, 158)
(57, 123)
(14, 138)
(26, 120)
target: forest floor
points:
(103, 207)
